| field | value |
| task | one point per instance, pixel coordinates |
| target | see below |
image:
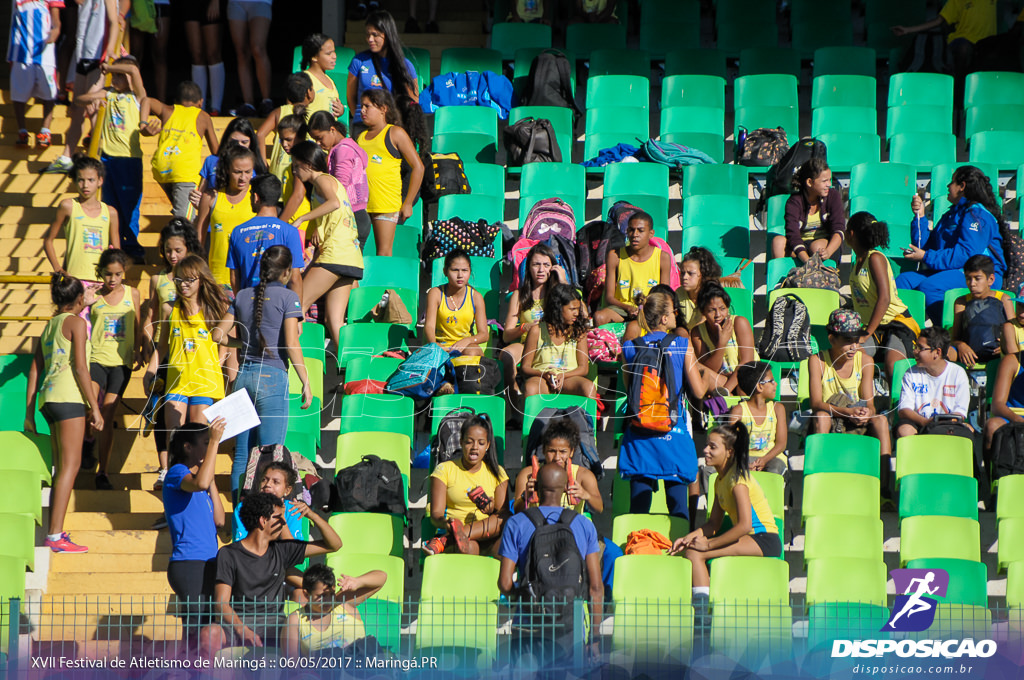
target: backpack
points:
(565, 256)
(813, 274)
(531, 140)
(555, 572)
(1013, 253)
(619, 215)
(780, 176)
(476, 238)
(443, 175)
(480, 378)
(586, 454)
(446, 444)
(549, 82)
(422, 373)
(652, 404)
(307, 488)
(675, 156)
(1007, 454)
(983, 323)
(763, 147)
(371, 485)
(787, 331)
(593, 242)
(547, 217)
(603, 345)
(673, 273)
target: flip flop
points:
(456, 531)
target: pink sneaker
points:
(64, 544)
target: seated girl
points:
(815, 219)
(468, 496)
(279, 479)
(632, 271)
(676, 323)
(722, 341)
(699, 267)
(1007, 397)
(456, 317)
(559, 443)
(555, 360)
(329, 621)
(763, 416)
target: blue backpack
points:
(423, 373)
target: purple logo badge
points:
(914, 611)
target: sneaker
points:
(22, 138)
(888, 505)
(436, 545)
(432, 27)
(266, 108)
(244, 111)
(64, 545)
(456, 533)
(103, 482)
(214, 112)
(43, 140)
(160, 476)
(61, 166)
(411, 25)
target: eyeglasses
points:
(766, 381)
(918, 348)
(190, 281)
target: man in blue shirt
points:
(251, 238)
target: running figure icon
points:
(915, 604)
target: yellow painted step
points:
(128, 542)
(120, 501)
(99, 636)
(93, 561)
(109, 521)
(109, 582)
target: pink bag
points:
(603, 345)
(673, 276)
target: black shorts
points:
(192, 582)
(364, 225)
(770, 544)
(162, 11)
(54, 413)
(905, 421)
(195, 10)
(341, 270)
(111, 379)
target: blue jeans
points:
(268, 388)
(934, 286)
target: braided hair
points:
(276, 260)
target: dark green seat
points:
(695, 61)
(583, 39)
(472, 207)
(769, 60)
(394, 272)
(620, 62)
(460, 59)
(844, 61)
(507, 37)
(938, 494)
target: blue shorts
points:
(189, 401)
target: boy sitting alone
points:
(972, 344)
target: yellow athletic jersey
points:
(323, 95)
(166, 294)
(224, 217)
(552, 357)
(832, 384)
(343, 628)
(339, 238)
(460, 482)
(383, 173)
(762, 518)
(87, 238)
(637, 277)
(454, 324)
(279, 160)
(288, 186)
(762, 437)
(58, 384)
(1018, 334)
(178, 155)
(193, 362)
(532, 315)
(113, 331)
(121, 134)
(731, 358)
(865, 293)
(971, 19)
(691, 315)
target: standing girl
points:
(456, 317)
(647, 457)
(194, 511)
(890, 328)
(191, 344)
(249, 23)
(291, 130)
(339, 262)
(698, 268)
(239, 132)
(114, 346)
(347, 162)
(387, 145)
(221, 212)
(177, 240)
(59, 374)
(383, 66)
(319, 57)
(268, 316)
(632, 271)
(815, 220)
(722, 341)
(555, 358)
(526, 305)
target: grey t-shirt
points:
(279, 303)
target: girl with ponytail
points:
(267, 317)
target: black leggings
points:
(192, 583)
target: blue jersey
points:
(30, 27)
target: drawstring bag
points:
(646, 542)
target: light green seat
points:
(471, 207)
(12, 583)
(509, 36)
(843, 119)
(868, 179)
(917, 119)
(315, 371)
(914, 300)
(844, 91)
(899, 369)
(408, 236)
(775, 219)
(612, 125)
(620, 62)
(668, 526)
(561, 120)
(722, 241)
(1015, 586)
(934, 453)
(844, 61)
(28, 452)
(950, 537)
(938, 494)
(653, 614)
(485, 273)
(377, 413)
(387, 444)
(305, 421)
(820, 303)
(470, 131)
(723, 210)
(1004, 149)
(1011, 497)
(750, 613)
(693, 90)
(459, 59)
(699, 127)
(362, 300)
(849, 149)
(941, 176)
(533, 405)
(922, 149)
(583, 39)
(459, 608)
(312, 337)
(20, 494)
(843, 537)
(785, 117)
(767, 101)
(618, 90)
(369, 339)
(371, 533)
(492, 406)
(832, 493)
(695, 61)
(1007, 118)
(392, 272)
(19, 538)
(845, 600)
(757, 61)
(841, 453)
(381, 614)
(642, 184)
(714, 179)
(371, 368)
(1011, 541)
(566, 181)
(486, 179)
(620, 498)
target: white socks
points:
(217, 78)
(702, 590)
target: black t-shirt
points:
(257, 581)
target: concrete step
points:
(85, 500)
(95, 562)
(128, 584)
(110, 521)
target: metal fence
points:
(461, 637)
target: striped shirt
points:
(30, 27)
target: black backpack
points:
(447, 444)
(593, 242)
(787, 331)
(983, 324)
(586, 454)
(550, 82)
(780, 175)
(482, 378)
(762, 147)
(531, 140)
(555, 572)
(1007, 454)
(443, 175)
(371, 485)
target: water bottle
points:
(383, 304)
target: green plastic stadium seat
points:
(918, 120)
(716, 209)
(611, 125)
(492, 406)
(377, 413)
(785, 117)
(19, 538)
(1000, 148)
(561, 120)
(967, 580)
(485, 179)
(620, 498)
(775, 219)
(844, 61)
(937, 494)
(842, 536)
(420, 57)
(386, 443)
(407, 236)
(901, 367)
(934, 453)
(13, 387)
(923, 149)
(617, 90)
(368, 339)
(810, 36)
(659, 39)
(485, 274)
(951, 537)
(668, 526)
(914, 300)
(393, 272)
(1015, 585)
(315, 370)
(28, 452)
(459, 59)
(714, 179)
(843, 119)
(470, 131)
(948, 304)
(566, 181)
(20, 494)
(507, 37)
(830, 493)
(371, 368)
(624, 62)
(1005, 118)
(693, 90)
(653, 615)
(371, 533)
(810, 10)
(532, 406)
(695, 127)
(883, 178)
(472, 207)
(993, 89)
(695, 61)
(462, 612)
(721, 240)
(765, 91)
(841, 453)
(1011, 497)
(583, 39)
(381, 614)
(741, 34)
(912, 89)
(312, 337)
(1011, 541)
(12, 582)
(363, 299)
(848, 149)
(769, 60)
(750, 608)
(847, 579)
(743, 303)
(643, 184)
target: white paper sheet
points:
(238, 410)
